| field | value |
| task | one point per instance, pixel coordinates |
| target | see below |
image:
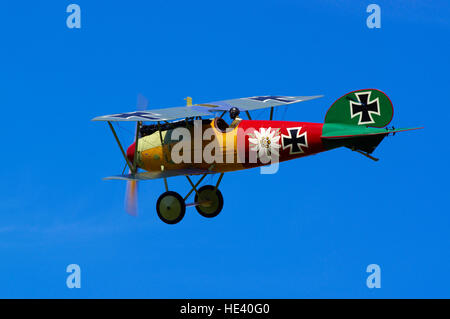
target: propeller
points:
(131, 197)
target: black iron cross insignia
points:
(283, 99)
(146, 115)
(364, 108)
(294, 140)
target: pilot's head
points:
(234, 112)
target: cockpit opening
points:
(219, 123)
(152, 128)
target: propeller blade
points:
(142, 103)
(131, 198)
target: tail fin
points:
(357, 121)
(369, 107)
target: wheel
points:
(215, 198)
(170, 207)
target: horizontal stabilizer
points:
(361, 138)
(336, 131)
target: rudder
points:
(367, 107)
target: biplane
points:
(358, 121)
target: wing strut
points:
(271, 113)
(121, 148)
(138, 129)
(163, 154)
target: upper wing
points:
(161, 174)
(206, 109)
(257, 102)
(167, 114)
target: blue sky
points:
(308, 231)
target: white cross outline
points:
(368, 102)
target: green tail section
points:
(357, 120)
(368, 108)
(355, 137)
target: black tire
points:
(207, 193)
(170, 207)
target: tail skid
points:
(366, 155)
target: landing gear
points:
(210, 201)
(170, 207)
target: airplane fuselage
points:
(251, 143)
